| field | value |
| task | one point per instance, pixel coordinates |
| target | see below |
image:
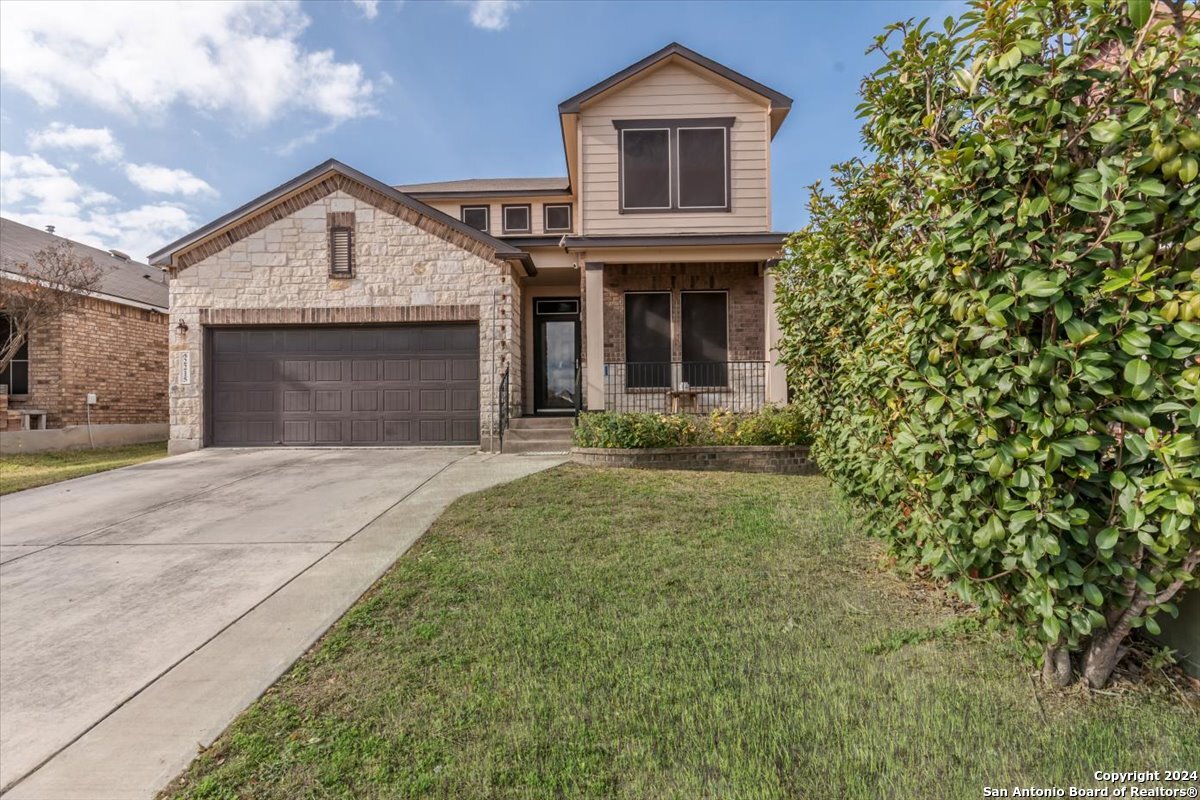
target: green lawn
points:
(27, 470)
(592, 633)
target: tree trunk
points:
(1102, 658)
(1056, 666)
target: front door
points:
(556, 354)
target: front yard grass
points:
(610, 633)
(26, 470)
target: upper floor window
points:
(516, 219)
(476, 216)
(674, 165)
(558, 217)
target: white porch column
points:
(593, 288)
(776, 374)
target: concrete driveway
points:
(142, 609)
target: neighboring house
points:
(113, 344)
(336, 309)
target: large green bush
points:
(994, 324)
(770, 426)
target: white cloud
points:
(370, 8)
(99, 141)
(164, 180)
(141, 59)
(492, 15)
(37, 193)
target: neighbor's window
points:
(516, 219)
(647, 340)
(341, 252)
(558, 217)
(704, 335)
(16, 375)
(674, 165)
(476, 217)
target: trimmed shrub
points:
(995, 326)
(771, 426)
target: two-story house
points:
(338, 309)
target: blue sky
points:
(127, 125)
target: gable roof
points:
(120, 279)
(778, 100)
(486, 186)
(502, 250)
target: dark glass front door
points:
(556, 354)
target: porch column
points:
(776, 374)
(593, 290)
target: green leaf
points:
(1092, 594)
(1139, 12)
(1107, 538)
(1137, 372)
(1126, 236)
(1106, 131)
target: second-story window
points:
(677, 165)
(558, 217)
(476, 217)
(516, 219)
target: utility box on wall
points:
(1183, 633)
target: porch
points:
(688, 337)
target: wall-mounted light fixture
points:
(181, 328)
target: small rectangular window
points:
(645, 168)
(647, 340)
(16, 375)
(558, 217)
(516, 219)
(341, 252)
(703, 168)
(476, 217)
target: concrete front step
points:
(535, 445)
(541, 423)
(538, 434)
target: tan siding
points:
(676, 92)
(537, 216)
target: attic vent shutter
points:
(341, 245)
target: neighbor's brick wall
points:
(117, 351)
(747, 331)
(285, 265)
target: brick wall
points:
(746, 313)
(117, 351)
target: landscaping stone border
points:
(779, 460)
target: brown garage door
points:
(393, 385)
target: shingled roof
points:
(122, 279)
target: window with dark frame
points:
(704, 337)
(647, 340)
(341, 252)
(557, 217)
(677, 165)
(476, 217)
(516, 218)
(16, 375)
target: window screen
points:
(702, 169)
(558, 217)
(645, 168)
(476, 217)
(516, 219)
(16, 375)
(648, 340)
(341, 252)
(705, 338)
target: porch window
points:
(16, 375)
(647, 340)
(476, 217)
(704, 330)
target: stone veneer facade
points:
(116, 351)
(279, 274)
